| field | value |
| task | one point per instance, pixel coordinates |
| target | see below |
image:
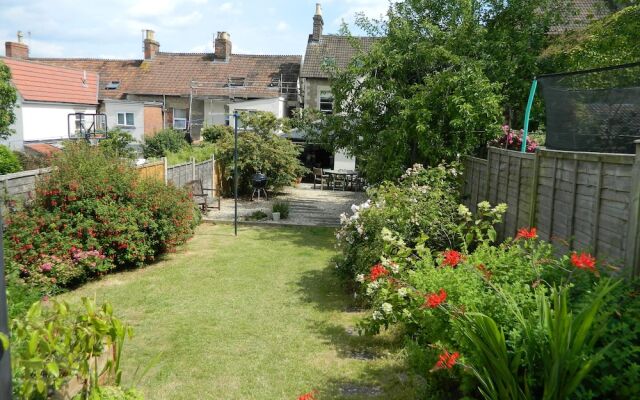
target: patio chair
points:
(200, 197)
(339, 181)
(320, 177)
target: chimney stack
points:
(318, 24)
(222, 47)
(151, 47)
(16, 49)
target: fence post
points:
(485, 195)
(166, 172)
(213, 172)
(193, 168)
(632, 261)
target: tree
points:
(8, 98)
(441, 79)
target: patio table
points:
(348, 175)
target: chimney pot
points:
(151, 46)
(222, 47)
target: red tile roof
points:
(43, 149)
(171, 74)
(38, 82)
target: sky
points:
(112, 28)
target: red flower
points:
(583, 261)
(433, 300)
(446, 360)
(524, 233)
(451, 258)
(377, 271)
(308, 396)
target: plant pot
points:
(276, 216)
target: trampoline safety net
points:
(593, 111)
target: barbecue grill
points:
(259, 182)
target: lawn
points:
(260, 316)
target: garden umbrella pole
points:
(235, 172)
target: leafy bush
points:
(54, 344)
(258, 215)
(113, 393)
(281, 207)
(9, 162)
(201, 152)
(163, 142)
(93, 214)
(269, 154)
(212, 133)
(424, 203)
(117, 143)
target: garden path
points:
(258, 316)
(308, 206)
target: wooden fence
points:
(22, 185)
(578, 201)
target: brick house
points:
(186, 91)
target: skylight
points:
(113, 85)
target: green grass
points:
(260, 316)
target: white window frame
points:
(124, 118)
(179, 123)
(325, 97)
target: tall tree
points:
(8, 98)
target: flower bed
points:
(92, 215)
(481, 319)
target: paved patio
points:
(307, 206)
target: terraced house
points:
(186, 90)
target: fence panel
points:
(204, 172)
(155, 170)
(22, 185)
(577, 201)
(180, 174)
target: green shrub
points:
(281, 207)
(9, 162)
(93, 214)
(112, 393)
(274, 156)
(163, 142)
(117, 143)
(258, 215)
(54, 343)
(201, 152)
(423, 203)
(212, 133)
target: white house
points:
(52, 102)
(126, 115)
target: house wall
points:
(215, 112)
(16, 141)
(49, 121)
(276, 105)
(152, 119)
(312, 88)
(112, 108)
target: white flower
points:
(387, 308)
(376, 315)
(354, 208)
(360, 230)
(395, 268)
(360, 278)
(402, 292)
(343, 218)
(463, 210)
(406, 313)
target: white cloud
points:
(282, 26)
(226, 7)
(41, 48)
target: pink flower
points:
(46, 267)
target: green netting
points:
(593, 111)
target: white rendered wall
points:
(275, 105)
(343, 161)
(215, 112)
(49, 121)
(112, 108)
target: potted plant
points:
(279, 210)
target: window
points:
(235, 82)
(179, 118)
(240, 112)
(113, 85)
(326, 102)
(125, 119)
(79, 123)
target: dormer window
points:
(235, 82)
(113, 85)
